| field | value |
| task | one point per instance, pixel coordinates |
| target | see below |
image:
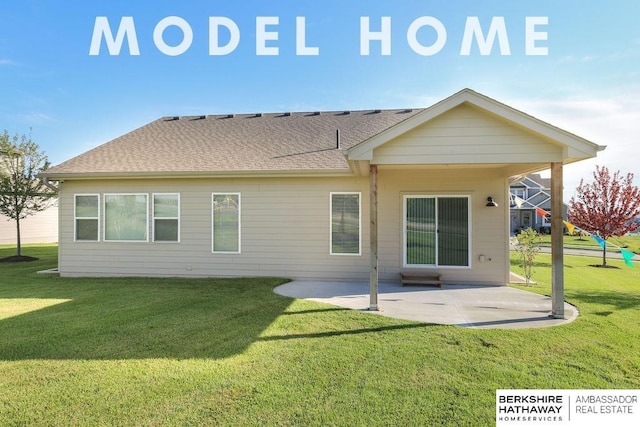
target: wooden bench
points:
(434, 279)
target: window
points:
(345, 224)
(437, 231)
(166, 217)
(87, 217)
(226, 222)
(519, 192)
(126, 217)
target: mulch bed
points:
(604, 266)
(18, 258)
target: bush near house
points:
(231, 352)
(528, 248)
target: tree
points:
(22, 192)
(607, 207)
(528, 247)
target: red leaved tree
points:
(607, 207)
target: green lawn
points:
(630, 242)
(149, 352)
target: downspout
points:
(49, 185)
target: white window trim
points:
(359, 194)
(404, 231)
(76, 217)
(221, 193)
(516, 191)
(153, 217)
(104, 222)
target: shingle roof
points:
(274, 142)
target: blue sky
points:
(588, 83)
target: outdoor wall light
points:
(491, 203)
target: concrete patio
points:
(488, 307)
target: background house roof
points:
(274, 142)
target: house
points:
(529, 195)
(41, 227)
(341, 195)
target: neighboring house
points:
(294, 194)
(39, 228)
(527, 195)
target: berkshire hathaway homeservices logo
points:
(567, 407)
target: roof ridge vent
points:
(316, 113)
(258, 115)
(377, 111)
(287, 114)
(408, 110)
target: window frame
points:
(76, 217)
(520, 192)
(104, 222)
(153, 217)
(359, 194)
(405, 197)
(230, 193)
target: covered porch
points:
(467, 146)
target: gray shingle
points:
(275, 142)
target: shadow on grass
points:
(345, 332)
(320, 310)
(136, 318)
(616, 300)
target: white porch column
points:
(373, 237)
(557, 256)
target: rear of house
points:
(294, 194)
(306, 227)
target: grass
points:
(150, 352)
(629, 242)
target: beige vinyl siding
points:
(466, 135)
(488, 226)
(39, 228)
(285, 228)
(285, 231)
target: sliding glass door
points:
(436, 231)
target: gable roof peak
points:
(364, 150)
